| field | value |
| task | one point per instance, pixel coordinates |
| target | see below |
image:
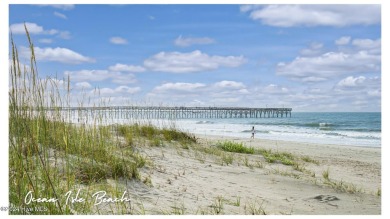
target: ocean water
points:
(358, 129)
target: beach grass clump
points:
(153, 134)
(178, 210)
(247, 163)
(235, 147)
(215, 151)
(128, 132)
(121, 168)
(286, 173)
(185, 146)
(342, 186)
(89, 171)
(176, 135)
(237, 203)
(260, 164)
(148, 131)
(217, 206)
(325, 175)
(156, 142)
(256, 209)
(300, 167)
(283, 157)
(227, 158)
(148, 181)
(200, 157)
(308, 159)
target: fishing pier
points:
(159, 112)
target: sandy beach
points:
(194, 181)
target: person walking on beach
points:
(253, 132)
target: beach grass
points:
(255, 208)
(155, 135)
(217, 206)
(50, 156)
(310, 160)
(325, 174)
(235, 147)
(237, 201)
(227, 158)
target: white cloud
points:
(275, 89)
(187, 87)
(357, 56)
(100, 75)
(126, 68)
(351, 81)
(45, 40)
(359, 83)
(129, 90)
(315, 15)
(314, 49)
(118, 40)
(64, 7)
(230, 84)
(118, 91)
(104, 91)
(57, 54)
(328, 65)
(83, 85)
(120, 78)
(227, 88)
(222, 92)
(32, 28)
(311, 79)
(196, 61)
(185, 42)
(343, 40)
(57, 14)
(373, 46)
(88, 75)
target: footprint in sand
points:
(326, 198)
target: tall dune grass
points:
(48, 156)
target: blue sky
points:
(308, 57)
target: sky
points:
(307, 57)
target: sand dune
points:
(191, 181)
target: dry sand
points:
(193, 182)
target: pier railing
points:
(156, 112)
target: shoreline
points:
(286, 141)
